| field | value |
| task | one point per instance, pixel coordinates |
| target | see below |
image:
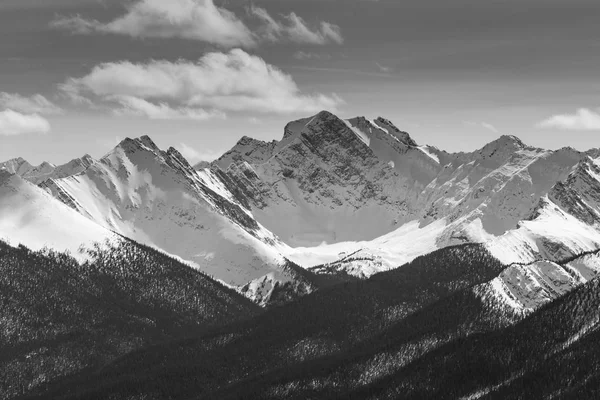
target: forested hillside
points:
(60, 317)
(317, 331)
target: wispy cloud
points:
(187, 19)
(204, 21)
(383, 68)
(14, 123)
(481, 124)
(583, 119)
(140, 107)
(303, 55)
(217, 83)
(293, 28)
(36, 104)
(340, 70)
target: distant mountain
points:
(364, 185)
(330, 188)
(46, 170)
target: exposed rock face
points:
(246, 149)
(579, 195)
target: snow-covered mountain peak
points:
(46, 170)
(157, 198)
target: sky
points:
(78, 76)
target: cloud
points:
(194, 156)
(293, 28)
(36, 104)
(583, 119)
(140, 107)
(490, 127)
(219, 82)
(202, 20)
(186, 19)
(302, 55)
(383, 68)
(484, 125)
(14, 123)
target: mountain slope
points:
(552, 354)
(59, 317)
(444, 344)
(32, 217)
(327, 323)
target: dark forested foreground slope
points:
(552, 354)
(429, 329)
(317, 333)
(59, 317)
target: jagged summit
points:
(295, 128)
(17, 165)
(330, 127)
(509, 142)
(132, 145)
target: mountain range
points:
(345, 260)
